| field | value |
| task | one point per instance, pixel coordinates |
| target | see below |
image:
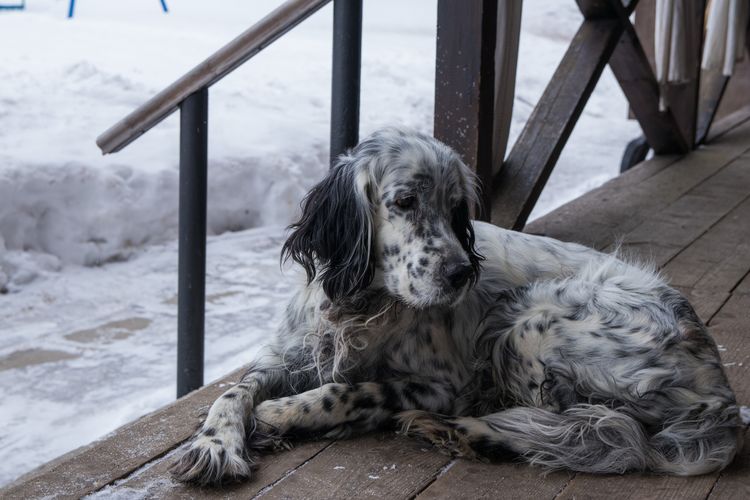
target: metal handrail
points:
(205, 74)
(189, 94)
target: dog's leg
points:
(337, 410)
(588, 438)
(217, 452)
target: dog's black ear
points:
(333, 237)
(461, 225)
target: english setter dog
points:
(487, 342)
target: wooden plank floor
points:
(689, 215)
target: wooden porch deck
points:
(690, 215)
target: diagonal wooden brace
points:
(519, 182)
(606, 36)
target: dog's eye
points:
(406, 202)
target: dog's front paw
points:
(440, 431)
(210, 460)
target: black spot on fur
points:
(491, 449)
(327, 404)
(210, 431)
(332, 236)
(364, 402)
(390, 397)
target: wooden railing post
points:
(683, 97)
(346, 71)
(191, 292)
(465, 85)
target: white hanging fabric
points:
(674, 42)
(726, 22)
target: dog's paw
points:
(440, 431)
(209, 461)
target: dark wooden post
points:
(192, 241)
(665, 133)
(683, 97)
(720, 95)
(465, 84)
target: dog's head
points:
(393, 213)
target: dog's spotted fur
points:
(554, 352)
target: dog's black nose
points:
(458, 273)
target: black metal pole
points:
(192, 245)
(347, 60)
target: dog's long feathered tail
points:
(589, 438)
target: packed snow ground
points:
(87, 252)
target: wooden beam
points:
(683, 97)
(712, 86)
(631, 67)
(506, 64)
(666, 132)
(519, 182)
(465, 84)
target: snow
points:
(112, 329)
(87, 242)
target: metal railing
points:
(189, 94)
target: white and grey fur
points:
(485, 341)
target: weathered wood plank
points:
(638, 487)
(734, 482)
(519, 182)
(88, 469)
(728, 123)
(155, 481)
(744, 286)
(719, 259)
(477, 480)
(381, 466)
(664, 234)
(617, 207)
(730, 330)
